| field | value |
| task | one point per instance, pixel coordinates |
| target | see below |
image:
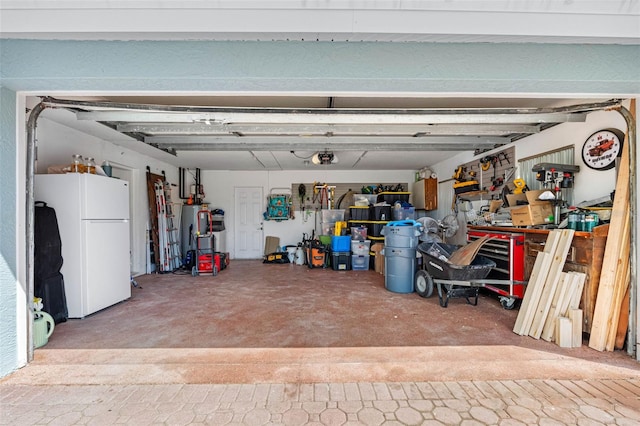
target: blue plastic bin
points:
(341, 243)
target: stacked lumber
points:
(552, 294)
(615, 275)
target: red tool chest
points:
(507, 250)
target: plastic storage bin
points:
(327, 228)
(403, 213)
(360, 248)
(331, 216)
(380, 213)
(359, 212)
(370, 199)
(359, 233)
(340, 243)
(375, 228)
(325, 239)
(392, 197)
(360, 263)
(341, 261)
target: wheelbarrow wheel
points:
(423, 283)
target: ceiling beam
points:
(294, 116)
(252, 146)
(320, 129)
(340, 142)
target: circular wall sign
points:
(601, 149)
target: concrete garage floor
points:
(284, 344)
(287, 310)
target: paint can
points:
(590, 221)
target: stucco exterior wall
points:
(9, 355)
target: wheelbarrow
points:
(452, 281)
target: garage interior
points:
(229, 113)
(291, 306)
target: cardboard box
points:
(513, 199)
(379, 257)
(533, 214)
(530, 197)
(536, 212)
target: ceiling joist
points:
(366, 117)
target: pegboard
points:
(340, 189)
(502, 165)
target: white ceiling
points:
(283, 132)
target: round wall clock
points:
(601, 149)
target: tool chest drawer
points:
(506, 249)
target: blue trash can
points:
(402, 233)
(399, 269)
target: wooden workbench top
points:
(598, 231)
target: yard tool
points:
(302, 192)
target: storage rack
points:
(374, 217)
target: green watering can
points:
(43, 326)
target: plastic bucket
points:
(399, 269)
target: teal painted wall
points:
(319, 66)
(324, 67)
(8, 261)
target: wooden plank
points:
(551, 283)
(567, 289)
(536, 284)
(564, 284)
(575, 315)
(621, 286)
(623, 323)
(580, 280)
(532, 293)
(563, 332)
(612, 253)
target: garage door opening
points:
(254, 305)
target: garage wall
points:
(56, 143)
(589, 184)
(219, 189)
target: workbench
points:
(585, 255)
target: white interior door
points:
(249, 240)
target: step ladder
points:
(168, 245)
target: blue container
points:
(402, 234)
(341, 243)
(399, 269)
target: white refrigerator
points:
(93, 218)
